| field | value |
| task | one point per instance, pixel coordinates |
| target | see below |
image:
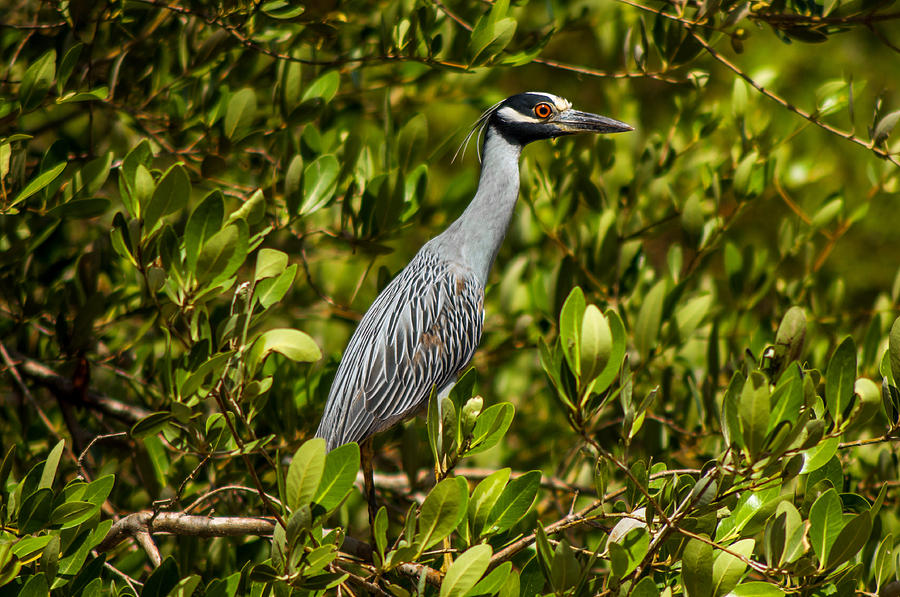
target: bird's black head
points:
(535, 115)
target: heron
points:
(423, 328)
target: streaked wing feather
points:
(418, 334)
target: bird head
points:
(535, 115)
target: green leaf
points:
(162, 580)
(646, 328)
(617, 356)
(37, 80)
(171, 194)
(850, 540)
(205, 221)
(839, 378)
(484, 497)
(240, 113)
(51, 465)
(883, 562)
(305, 473)
(894, 349)
(756, 589)
(186, 586)
(753, 410)
(494, 581)
(223, 254)
(697, 569)
(743, 180)
(81, 208)
(645, 587)
(885, 126)
(269, 263)
(820, 454)
(825, 524)
(570, 318)
(95, 173)
(35, 511)
(72, 513)
(596, 344)
(465, 571)
(39, 182)
(283, 10)
(514, 502)
(150, 425)
(293, 191)
(490, 427)
(320, 179)
(634, 546)
(294, 344)
(341, 466)
(325, 87)
(272, 290)
(36, 586)
(67, 65)
(442, 512)
(728, 569)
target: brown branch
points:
(176, 523)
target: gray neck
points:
(474, 239)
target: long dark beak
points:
(573, 121)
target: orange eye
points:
(543, 110)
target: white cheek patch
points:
(511, 115)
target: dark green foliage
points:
(689, 381)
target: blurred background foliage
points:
(199, 200)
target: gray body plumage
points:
(423, 328)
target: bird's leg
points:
(368, 455)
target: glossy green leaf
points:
(515, 501)
(728, 569)
(162, 580)
(305, 472)
(645, 587)
(171, 194)
(840, 377)
(697, 569)
(37, 80)
(490, 427)
(205, 221)
(294, 344)
(484, 497)
(269, 263)
(852, 537)
(646, 328)
(325, 87)
(757, 589)
(240, 113)
(570, 318)
(39, 182)
(825, 524)
(465, 571)
(320, 179)
(442, 512)
(271, 290)
(338, 476)
(596, 343)
(48, 474)
(223, 253)
(754, 413)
